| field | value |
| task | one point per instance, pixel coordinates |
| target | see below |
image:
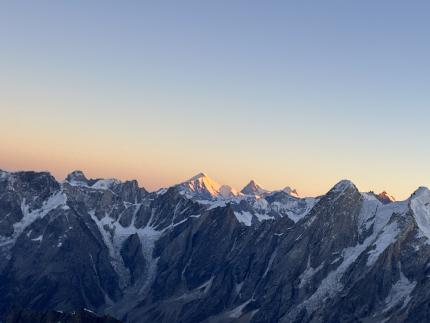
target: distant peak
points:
(77, 176)
(421, 191)
(386, 197)
(226, 191)
(343, 185)
(201, 185)
(345, 182)
(204, 187)
(252, 188)
(291, 191)
(203, 178)
(252, 184)
(198, 176)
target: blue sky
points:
(299, 93)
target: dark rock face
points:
(116, 249)
(77, 176)
(81, 316)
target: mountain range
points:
(203, 252)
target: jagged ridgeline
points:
(203, 252)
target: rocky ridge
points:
(182, 255)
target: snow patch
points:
(385, 238)
(400, 292)
(420, 205)
(105, 184)
(269, 264)
(263, 217)
(261, 204)
(295, 209)
(291, 191)
(161, 191)
(57, 200)
(308, 273)
(238, 287)
(89, 311)
(238, 311)
(114, 235)
(382, 236)
(39, 238)
(342, 186)
(197, 292)
(244, 217)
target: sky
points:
(299, 93)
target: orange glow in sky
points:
(286, 94)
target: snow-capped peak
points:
(227, 191)
(78, 178)
(419, 203)
(252, 188)
(342, 186)
(422, 191)
(386, 197)
(203, 187)
(198, 176)
(291, 191)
